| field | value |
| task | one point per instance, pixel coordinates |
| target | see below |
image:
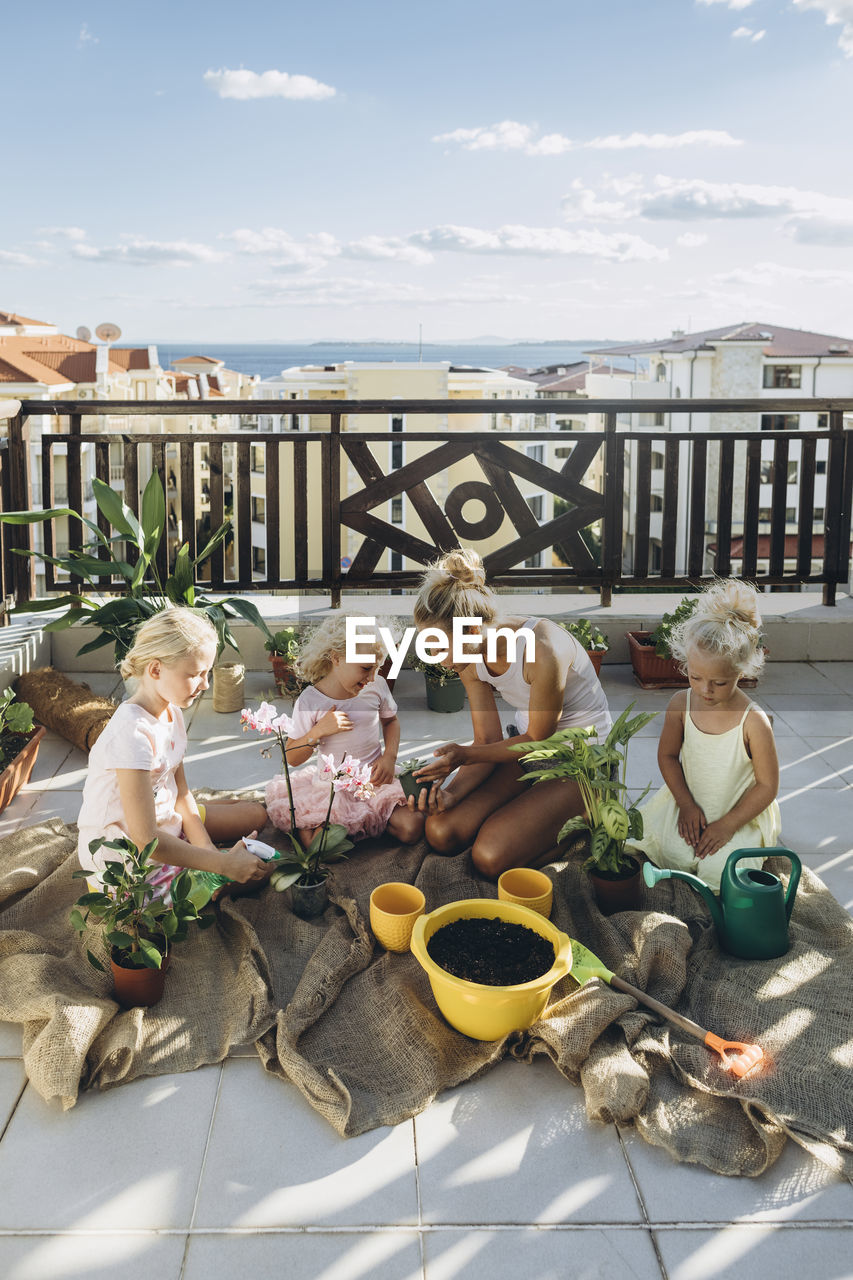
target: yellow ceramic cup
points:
(527, 888)
(394, 908)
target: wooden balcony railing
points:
(629, 507)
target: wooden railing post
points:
(611, 542)
(23, 577)
(334, 509)
(834, 516)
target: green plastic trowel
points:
(743, 1057)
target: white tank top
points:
(584, 702)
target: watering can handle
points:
(777, 851)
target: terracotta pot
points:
(596, 657)
(284, 674)
(17, 771)
(650, 671)
(308, 900)
(138, 987)
(617, 892)
(445, 697)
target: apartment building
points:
(751, 360)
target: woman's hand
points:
(333, 721)
(244, 867)
(449, 757)
(691, 823)
(433, 799)
(715, 835)
(382, 770)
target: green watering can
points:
(753, 909)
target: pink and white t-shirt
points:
(366, 710)
(133, 739)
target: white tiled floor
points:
(227, 1171)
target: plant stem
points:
(283, 750)
(322, 844)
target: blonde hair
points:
(726, 625)
(455, 587)
(167, 637)
(324, 642)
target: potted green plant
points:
(406, 777)
(591, 637)
(444, 688)
(599, 769)
(136, 927)
(19, 744)
(651, 657)
(143, 593)
(282, 647)
(305, 871)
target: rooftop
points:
(775, 340)
(227, 1170)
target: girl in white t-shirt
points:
(346, 710)
(135, 785)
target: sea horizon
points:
(268, 359)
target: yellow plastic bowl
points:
(528, 888)
(477, 1010)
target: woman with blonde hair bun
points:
(487, 805)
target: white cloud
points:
(538, 242)
(732, 4)
(747, 33)
(244, 85)
(67, 233)
(134, 251)
(838, 13)
(85, 37)
(690, 240)
(511, 135)
(12, 258)
(763, 274)
(285, 252)
(813, 216)
(347, 291)
(387, 248)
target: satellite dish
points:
(108, 332)
(84, 334)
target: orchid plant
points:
(330, 842)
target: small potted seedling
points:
(444, 688)
(591, 638)
(406, 777)
(610, 817)
(136, 926)
(19, 744)
(283, 647)
(651, 656)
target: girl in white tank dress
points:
(716, 754)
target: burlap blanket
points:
(358, 1032)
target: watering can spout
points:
(652, 875)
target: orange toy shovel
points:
(735, 1055)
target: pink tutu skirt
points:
(311, 800)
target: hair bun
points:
(732, 601)
(465, 567)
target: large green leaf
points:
(215, 539)
(153, 515)
(117, 511)
(181, 581)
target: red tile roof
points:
(776, 340)
(9, 317)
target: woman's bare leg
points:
(453, 830)
(230, 820)
(406, 824)
(525, 829)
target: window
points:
(768, 471)
(820, 514)
(780, 421)
(659, 419)
(536, 452)
(396, 510)
(790, 515)
(396, 454)
(259, 510)
(660, 372)
(259, 560)
(534, 562)
(396, 561)
(563, 452)
(820, 467)
(764, 515)
(657, 461)
(655, 502)
(534, 502)
(823, 422)
(258, 459)
(294, 421)
(783, 375)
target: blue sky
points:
(282, 171)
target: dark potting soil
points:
(494, 952)
(10, 746)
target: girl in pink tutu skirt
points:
(346, 710)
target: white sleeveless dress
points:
(718, 770)
(584, 700)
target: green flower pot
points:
(445, 697)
